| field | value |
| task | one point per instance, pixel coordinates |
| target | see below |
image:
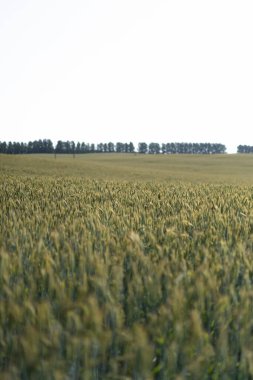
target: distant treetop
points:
(70, 147)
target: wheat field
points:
(108, 277)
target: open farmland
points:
(227, 169)
(126, 267)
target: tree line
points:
(182, 148)
(70, 147)
(244, 149)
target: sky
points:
(127, 70)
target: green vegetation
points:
(70, 147)
(226, 169)
(126, 267)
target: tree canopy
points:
(70, 147)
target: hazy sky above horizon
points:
(127, 70)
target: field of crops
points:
(112, 279)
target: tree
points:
(50, 146)
(120, 147)
(59, 147)
(131, 147)
(111, 147)
(100, 148)
(10, 149)
(154, 148)
(78, 148)
(3, 147)
(83, 147)
(73, 148)
(142, 148)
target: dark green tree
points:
(154, 148)
(111, 147)
(143, 148)
(120, 147)
(131, 147)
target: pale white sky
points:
(127, 70)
